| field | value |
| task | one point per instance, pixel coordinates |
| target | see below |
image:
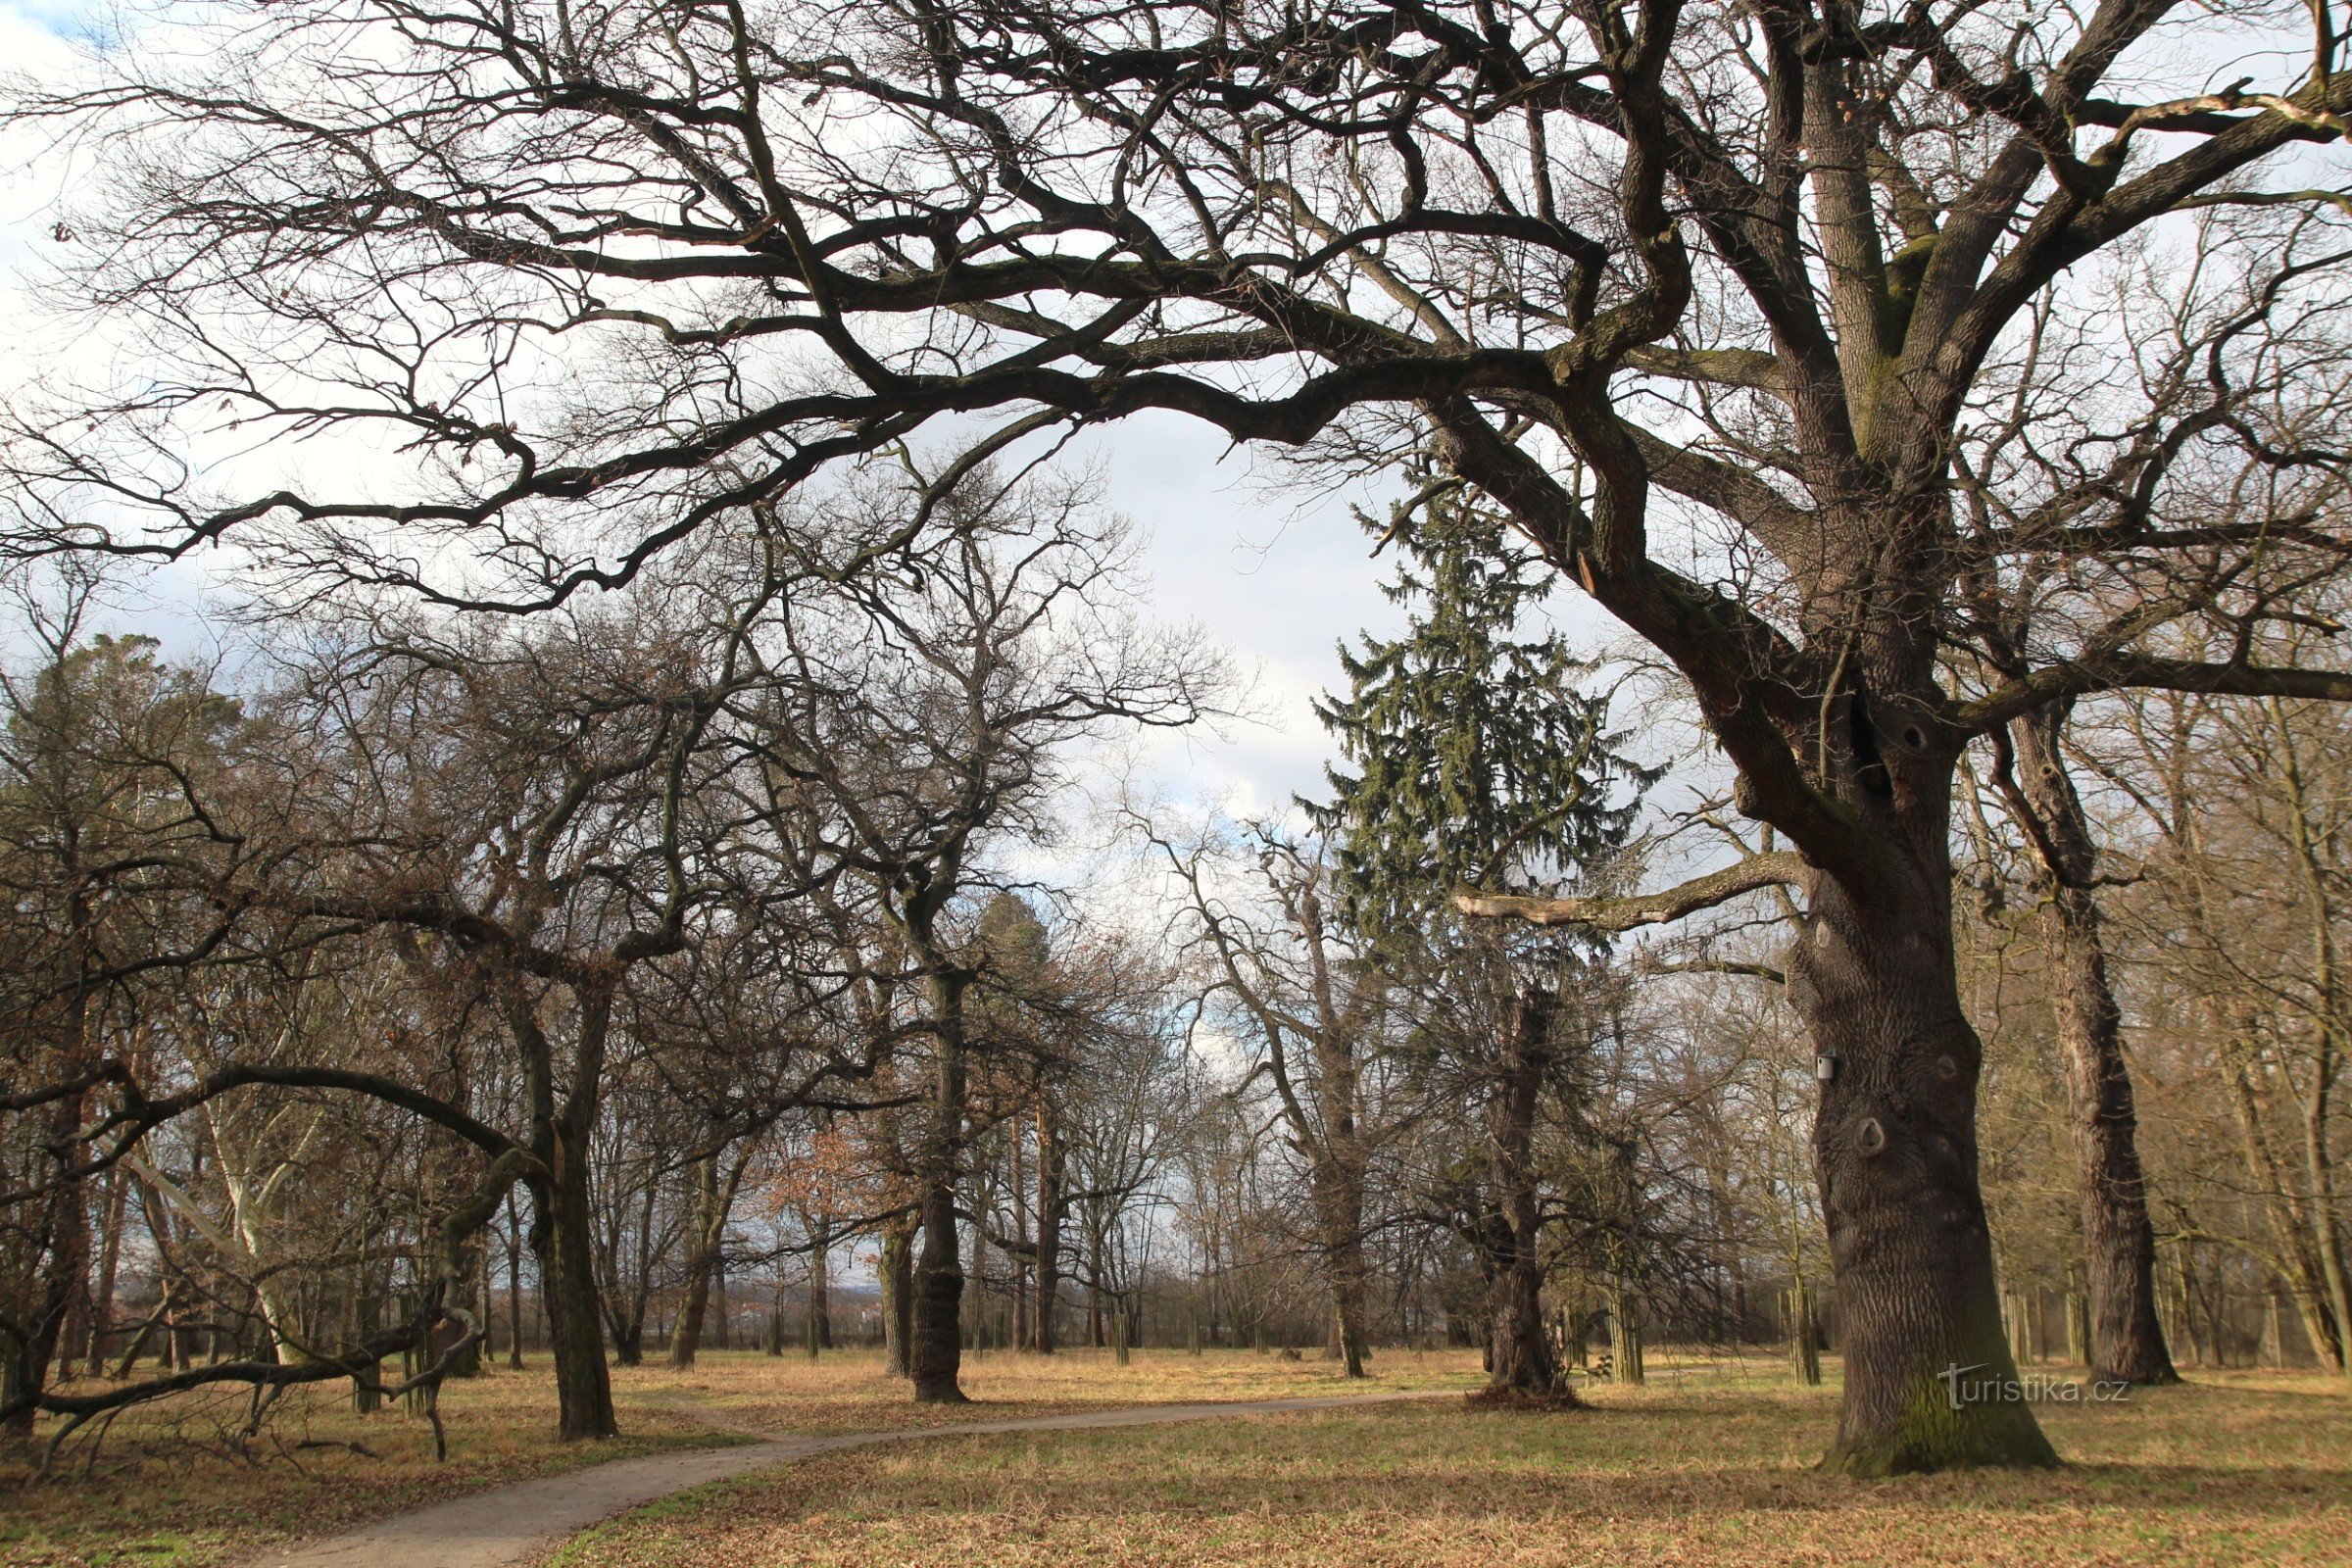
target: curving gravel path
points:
(518, 1523)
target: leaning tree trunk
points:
(2119, 1243)
(936, 1353)
(1521, 1357)
(686, 1340)
(1894, 1147)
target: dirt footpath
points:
(519, 1523)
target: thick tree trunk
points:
(568, 1288)
(628, 1338)
(63, 1239)
(1626, 1363)
(1522, 1358)
(936, 1351)
(562, 1234)
(1337, 1178)
(1928, 1380)
(2118, 1242)
(1344, 1266)
(1049, 1175)
(898, 1296)
(686, 1340)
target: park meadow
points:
(912, 783)
(1712, 1459)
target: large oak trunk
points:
(567, 1283)
(2119, 1243)
(936, 1353)
(1929, 1379)
(1521, 1358)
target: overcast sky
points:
(1277, 575)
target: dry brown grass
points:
(1712, 1468)
(172, 1486)
(846, 1394)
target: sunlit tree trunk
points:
(936, 1351)
(2118, 1242)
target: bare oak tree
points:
(1710, 298)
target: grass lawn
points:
(1705, 1467)
(170, 1487)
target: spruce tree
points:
(1481, 758)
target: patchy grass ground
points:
(1702, 1467)
(846, 1394)
(173, 1489)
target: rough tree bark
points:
(1521, 1357)
(1896, 1155)
(935, 1350)
(563, 1230)
(898, 1295)
(60, 1239)
(1339, 1200)
(568, 1287)
(686, 1340)
(2119, 1243)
